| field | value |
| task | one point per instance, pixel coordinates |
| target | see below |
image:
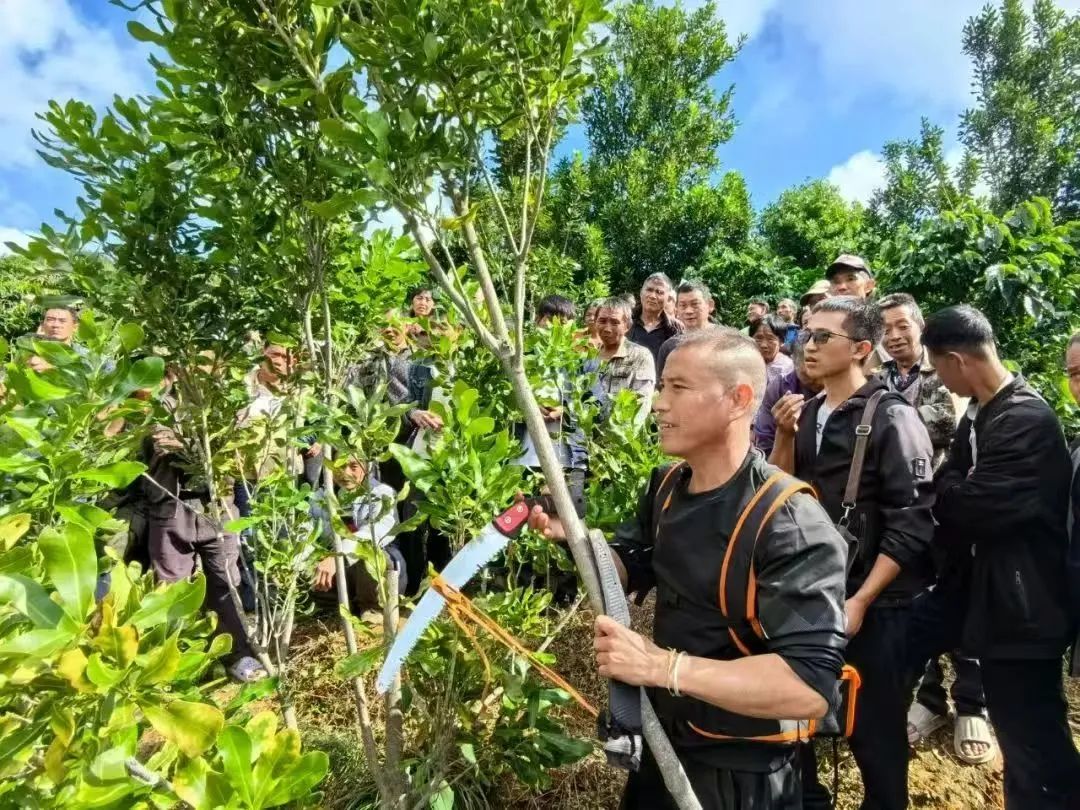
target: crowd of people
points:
(909, 499)
(937, 526)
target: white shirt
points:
(822, 417)
(375, 517)
(972, 412)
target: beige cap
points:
(848, 261)
(821, 287)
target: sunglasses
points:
(821, 336)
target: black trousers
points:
(1026, 705)
(1029, 713)
(424, 544)
(177, 539)
(879, 742)
(715, 788)
(966, 691)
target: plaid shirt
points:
(922, 387)
(630, 368)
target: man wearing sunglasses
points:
(889, 517)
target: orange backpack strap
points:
(669, 478)
(738, 584)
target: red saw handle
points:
(510, 522)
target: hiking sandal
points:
(247, 670)
(921, 723)
(973, 729)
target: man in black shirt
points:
(1002, 509)
(711, 697)
(889, 516)
(652, 325)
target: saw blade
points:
(477, 553)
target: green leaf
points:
(337, 205)
(16, 560)
(299, 780)
(234, 747)
(480, 426)
(192, 727)
(261, 730)
(191, 782)
(42, 387)
(36, 644)
(252, 691)
(71, 565)
(131, 336)
(120, 643)
(359, 664)
(14, 742)
(12, 527)
(431, 47)
(102, 674)
(117, 475)
(86, 515)
(444, 799)
(144, 374)
(412, 463)
(240, 524)
(144, 34)
(468, 752)
(170, 602)
(30, 599)
(18, 463)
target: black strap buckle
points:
(622, 747)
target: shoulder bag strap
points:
(858, 458)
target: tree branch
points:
(460, 303)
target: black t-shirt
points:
(799, 564)
(655, 339)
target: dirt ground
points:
(937, 779)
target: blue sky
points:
(820, 86)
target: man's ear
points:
(871, 285)
(862, 349)
(743, 397)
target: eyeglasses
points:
(821, 336)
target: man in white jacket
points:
(370, 516)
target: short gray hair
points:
(619, 304)
(895, 300)
(692, 285)
(735, 357)
(658, 277)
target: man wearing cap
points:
(819, 292)
(851, 275)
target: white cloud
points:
(859, 176)
(911, 50)
(20, 238)
(740, 16)
(47, 51)
(746, 16)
